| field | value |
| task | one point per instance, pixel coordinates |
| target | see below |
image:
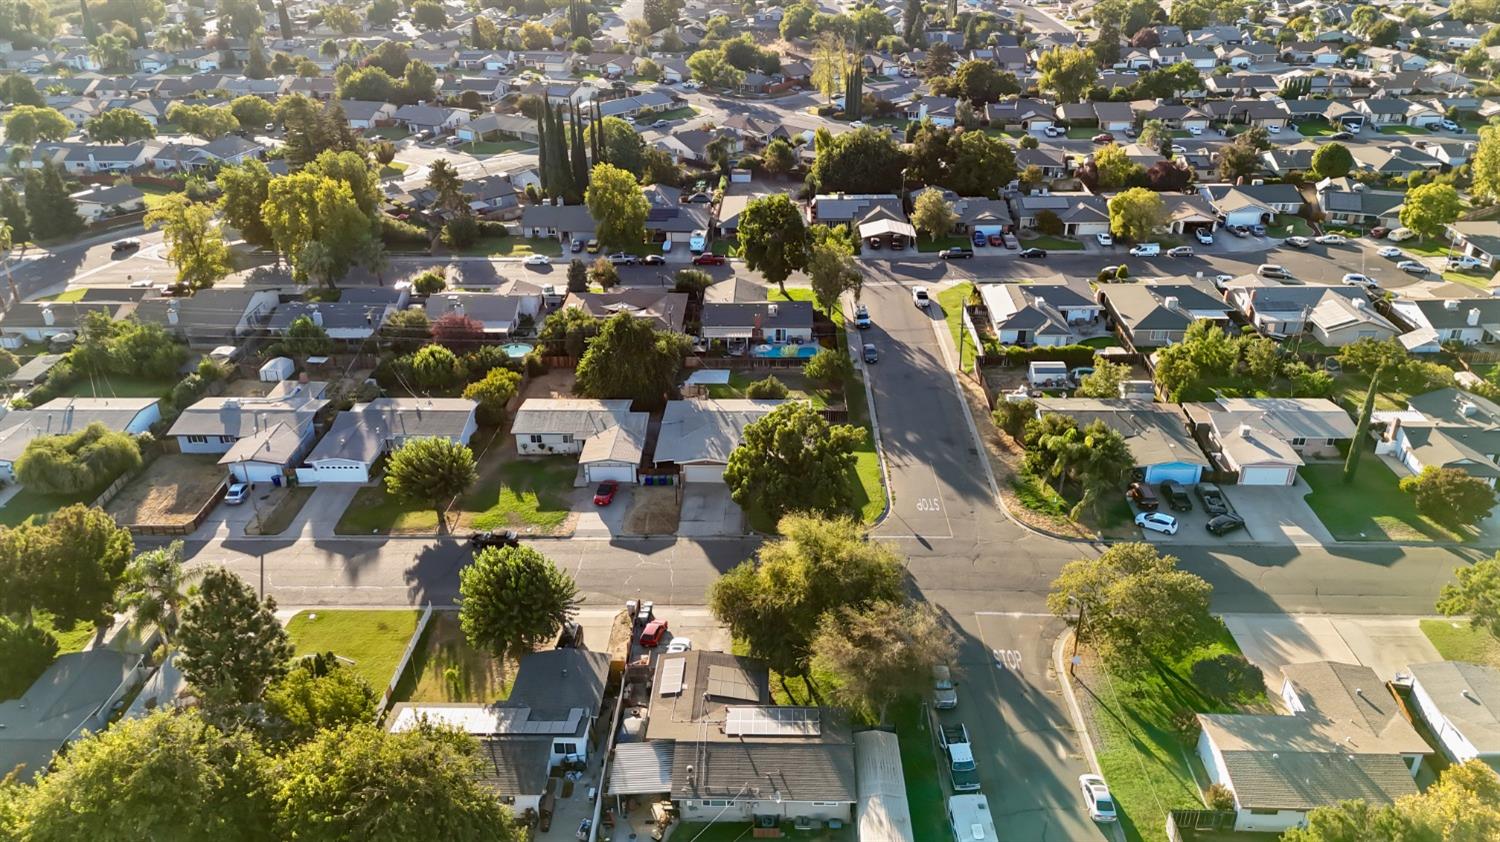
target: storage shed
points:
(277, 369)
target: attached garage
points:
(601, 471)
(703, 473)
(1268, 475)
(334, 471)
(1185, 473)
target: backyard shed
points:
(277, 369)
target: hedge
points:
(1073, 355)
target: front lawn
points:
(681, 113)
(1083, 132)
(869, 491)
(1053, 243)
(155, 194)
(1423, 247)
(388, 133)
(1315, 128)
(394, 169)
(1456, 640)
(926, 244)
(924, 794)
(1372, 508)
(1288, 225)
(374, 511)
(27, 504)
(496, 147)
(1149, 767)
(115, 386)
(373, 640)
(1478, 280)
(1404, 130)
(507, 246)
(445, 668)
(952, 301)
(804, 294)
(522, 494)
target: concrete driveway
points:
(1277, 514)
(1385, 644)
(708, 511)
(601, 521)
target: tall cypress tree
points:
(562, 169)
(90, 29)
(284, 19)
(596, 136)
(580, 154)
(543, 164)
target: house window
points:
(567, 438)
(1299, 442)
(1257, 811)
(534, 439)
(197, 439)
(227, 439)
(565, 748)
(1455, 334)
(717, 803)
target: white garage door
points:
(702, 473)
(618, 473)
(1266, 476)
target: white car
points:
(143, 283)
(1331, 239)
(236, 493)
(1463, 262)
(1157, 522)
(920, 298)
(1273, 129)
(1221, 279)
(1104, 239)
(1359, 280)
(1400, 235)
(679, 645)
(1412, 266)
(1145, 250)
(1195, 130)
(857, 124)
(1205, 236)
(1390, 251)
(1179, 150)
(538, 260)
(690, 85)
(1097, 798)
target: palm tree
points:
(156, 587)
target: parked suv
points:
(1140, 493)
(1176, 497)
(1212, 498)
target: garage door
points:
(702, 473)
(618, 473)
(1266, 476)
(988, 230)
(1185, 474)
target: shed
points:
(1047, 373)
(882, 812)
(277, 369)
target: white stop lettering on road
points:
(1007, 659)
(928, 504)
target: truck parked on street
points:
(962, 769)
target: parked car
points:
(1097, 798)
(1104, 239)
(1341, 136)
(979, 239)
(1176, 496)
(1224, 524)
(538, 260)
(571, 636)
(659, 124)
(1205, 236)
(1450, 126)
(236, 493)
(1463, 261)
(493, 538)
(1053, 131)
(125, 245)
(1032, 253)
(1195, 130)
(1272, 270)
(651, 635)
(871, 354)
(1140, 493)
(709, 259)
(621, 258)
(1145, 250)
(1104, 137)
(605, 493)
(944, 694)
(1331, 239)
(956, 253)
(593, 247)
(1413, 267)
(1390, 251)
(1157, 522)
(454, 141)
(1180, 251)
(654, 260)
(862, 316)
(1298, 242)
(1212, 498)
(997, 240)
(1258, 230)
(679, 645)
(1239, 231)
(576, 245)
(920, 297)
(1131, 131)
(1400, 235)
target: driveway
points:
(708, 511)
(1277, 514)
(1385, 644)
(602, 521)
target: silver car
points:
(944, 694)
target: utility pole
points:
(1077, 633)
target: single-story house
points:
(63, 416)
(607, 436)
(666, 309)
(1460, 703)
(358, 437)
(1264, 440)
(210, 317)
(1042, 314)
(430, 118)
(101, 202)
(698, 435)
(977, 214)
(1479, 240)
(1468, 321)
(39, 321)
(1337, 314)
(1082, 214)
(850, 208)
(355, 317)
(1252, 204)
(1155, 315)
(1361, 207)
(366, 114)
(1446, 428)
(559, 222)
(77, 692)
(499, 314)
(744, 324)
(1156, 433)
(215, 424)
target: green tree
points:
(1332, 160)
(245, 189)
(981, 81)
(1104, 381)
(1431, 208)
(70, 566)
(1136, 214)
(881, 653)
(1485, 163)
(603, 272)
(1136, 604)
(428, 15)
(406, 330)
(16, 89)
(194, 244)
(51, 211)
(619, 144)
(318, 694)
(779, 157)
(305, 338)
(361, 782)
(793, 460)
(251, 111)
(204, 121)
(317, 223)
(27, 124)
(1450, 495)
(776, 601)
(492, 394)
(1115, 168)
(861, 161)
(437, 368)
(1475, 592)
(1068, 72)
(630, 358)
(773, 238)
(617, 205)
(79, 462)
(1239, 159)
(430, 470)
(119, 125)
(768, 388)
(155, 588)
(830, 366)
(933, 214)
(512, 600)
(832, 272)
(230, 645)
(578, 276)
(709, 67)
(1361, 431)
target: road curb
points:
(1060, 664)
(850, 333)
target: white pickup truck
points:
(961, 766)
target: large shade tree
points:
(630, 358)
(512, 600)
(231, 646)
(793, 460)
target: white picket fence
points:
(401, 665)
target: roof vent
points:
(1172, 303)
(1451, 305)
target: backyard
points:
(1372, 508)
(803, 294)
(27, 504)
(1456, 640)
(801, 388)
(445, 668)
(107, 386)
(372, 640)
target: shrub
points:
(767, 389)
(436, 367)
(692, 281)
(429, 282)
(492, 394)
(1122, 273)
(1011, 416)
(830, 366)
(533, 363)
(1228, 678)
(396, 233)
(188, 390)
(25, 653)
(1073, 355)
(1185, 726)
(79, 462)
(484, 359)
(1219, 797)
(461, 232)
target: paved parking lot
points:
(1385, 644)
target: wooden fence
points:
(404, 663)
(1179, 820)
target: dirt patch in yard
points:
(170, 492)
(247, 388)
(553, 384)
(656, 511)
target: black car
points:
(1224, 524)
(126, 245)
(872, 356)
(1032, 253)
(654, 260)
(956, 253)
(494, 538)
(1212, 498)
(1175, 496)
(571, 636)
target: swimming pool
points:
(516, 350)
(785, 351)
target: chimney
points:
(172, 314)
(1473, 316)
(1450, 305)
(317, 316)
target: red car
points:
(605, 493)
(708, 259)
(651, 634)
(1104, 137)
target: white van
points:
(969, 817)
(1146, 250)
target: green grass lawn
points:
(1148, 767)
(394, 169)
(513, 247)
(388, 133)
(523, 493)
(740, 832)
(1036, 495)
(1477, 280)
(1404, 130)
(1083, 132)
(724, 247)
(1315, 128)
(28, 504)
(926, 244)
(869, 492)
(1350, 387)
(682, 113)
(155, 194)
(952, 301)
(74, 294)
(445, 668)
(802, 294)
(69, 638)
(287, 508)
(1053, 243)
(798, 384)
(1101, 342)
(373, 640)
(496, 147)
(374, 511)
(924, 794)
(114, 386)
(1423, 247)
(1372, 508)
(1456, 640)
(1287, 225)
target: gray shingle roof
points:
(1302, 780)
(1469, 696)
(791, 772)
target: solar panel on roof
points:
(671, 676)
(726, 682)
(773, 722)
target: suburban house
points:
(77, 694)
(976, 214)
(355, 317)
(216, 424)
(557, 222)
(1334, 315)
(1082, 214)
(1156, 433)
(499, 314)
(1361, 207)
(551, 718)
(742, 326)
(666, 309)
(1155, 315)
(63, 416)
(358, 437)
(1345, 738)
(883, 227)
(226, 150)
(1460, 703)
(849, 209)
(39, 321)
(1447, 428)
(1252, 204)
(1264, 440)
(100, 201)
(430, 118)
(1042, 314)
(362, 115)
(735, 756)
(210, 317)
(698, 435)
(1479, 240)
(607, 436)
(1468, 321)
